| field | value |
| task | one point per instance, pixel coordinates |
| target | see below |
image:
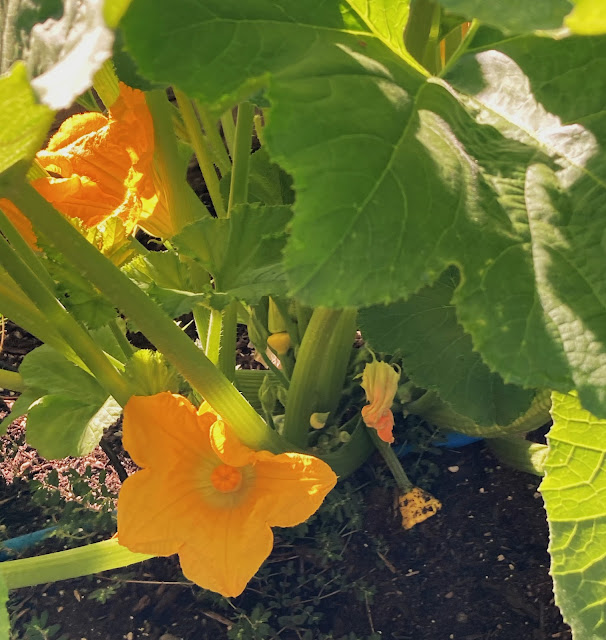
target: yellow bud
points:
(279, 342)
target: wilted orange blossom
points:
(204, 495)
(380, 381)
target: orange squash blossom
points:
(380, 382)
(102, 166)
(204, 495)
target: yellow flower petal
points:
(154, 436)
(226, 550)
(290, 487)
(227, 446)
(380, 382)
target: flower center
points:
(225, 478)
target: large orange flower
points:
(103, 166)
(380, 381)
(206, 496)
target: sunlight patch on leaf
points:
(587, 18)
(574, 490)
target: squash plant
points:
(431, 173)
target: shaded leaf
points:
(514, 15)
(437, 354)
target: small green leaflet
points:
(63, 44)
(242, 252)
(574, 490)
(67, 409)
(23, 122)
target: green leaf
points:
(432, 409)
(67, 408)
(60, 426)
(23, 122)
(166, 280)
(514, 15)
(47, 371)
(63, 45)
(438, 355)
(228, 48)
(242, 252)
(587, 18)
(574, 491)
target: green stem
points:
(211, 130)
(161, 330)
(125, 346)
(352, 454)
(392, 461)
(238, 189)
(229, 130)
(221, 340)
(320, 369)
(168, 163)
(462, 48)
(64, 565)
(25, 251)
(418, 27)
(202, 151)
(69, 329)
(18, 307)
(106, 84)
(202, 319)
(11, 380)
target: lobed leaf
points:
(574, 490)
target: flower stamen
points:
(226, 478)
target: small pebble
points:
(453, 469)
(462, 617)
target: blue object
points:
(21, 543)
(453, 441)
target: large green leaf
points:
(63, 44)
(514, 15)
(242, 252)
(437, 354)
(574, 490)
(498, 169)
(23, 122)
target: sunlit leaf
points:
(23, 122)
(587, 18)
(574, 490)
